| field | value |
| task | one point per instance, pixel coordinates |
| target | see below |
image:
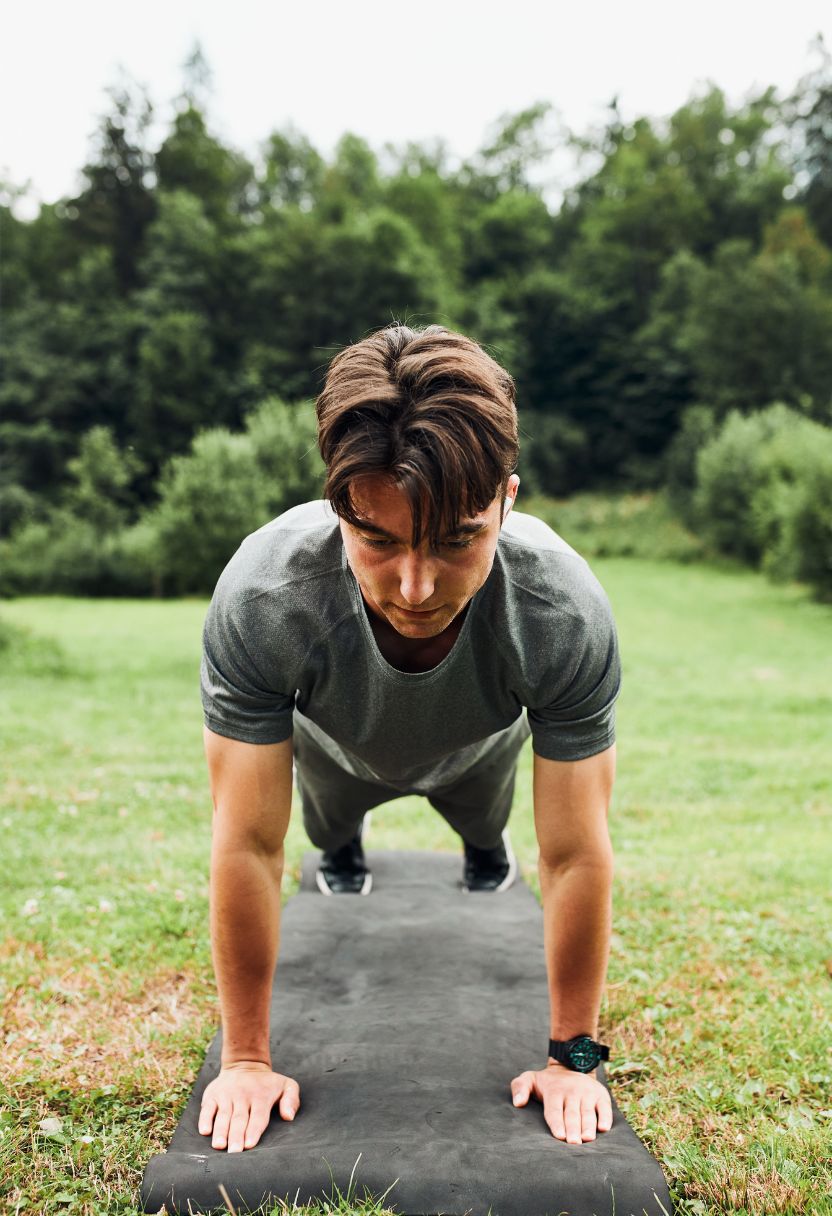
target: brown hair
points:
(427, 407)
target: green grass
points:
(719, 990)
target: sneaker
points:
(344, 871)
(489, 869)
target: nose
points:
(417, 579)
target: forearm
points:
(577, 921)
(245, 936)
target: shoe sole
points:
(367, 885)
(509, 878)
(366, 888)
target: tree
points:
(809, 115)
(293, 171)
(757, 332)
(117, 203)
(192, 160)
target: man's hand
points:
(573, 1102)
(238, 1104)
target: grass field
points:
(719, 990)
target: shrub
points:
(625, 525)
(764, 494)
(62, 555)
(698, 426)
(17, 506)
(226, 486)
(731, 476)
(794, 511)
(209, 500)
(285, 444)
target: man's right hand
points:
(238, 1103)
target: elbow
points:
(598, 861)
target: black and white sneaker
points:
(344, 871)
(489, 869)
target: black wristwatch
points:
(581, 1054)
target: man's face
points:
(417, 591)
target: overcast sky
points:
(386, 71)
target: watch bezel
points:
(583, 1045)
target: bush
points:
(226, 486)
(698, 426)
(764, 494)
(794, 512)
(209, 500)
(731, 476)
(625, 525)
(17, 506)
(285, 443)
(62, 555)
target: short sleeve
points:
(579, 720)
(237, 699)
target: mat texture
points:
(403, 1016)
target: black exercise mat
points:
(403, 1016)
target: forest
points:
(668, 324)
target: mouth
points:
(414, 611)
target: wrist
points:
(255, 1062)
(556, 1066)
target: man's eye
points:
(375, 543)
(457, 544)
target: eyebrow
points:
(463, 530)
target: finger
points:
(521, 1088)
(588, 1121)
(290, 1100)
(519, 1092)
(237, 1127)
(221, 1122)
(258, 1121)
(206, 1115)
(553, 1114)
(604, 1114)
(572, 1119)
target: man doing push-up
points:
(406, 634)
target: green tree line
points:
(685, 279)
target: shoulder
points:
(304, 543)
(286, 581)
(539, 566)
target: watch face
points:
(584, 1055)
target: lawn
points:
(719, 989)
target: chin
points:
(410, 627)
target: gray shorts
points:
(477, 805)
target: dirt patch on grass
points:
(86, 1025)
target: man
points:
(405, 635)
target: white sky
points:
(386, 71)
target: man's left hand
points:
(574, 1103)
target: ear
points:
(511, 493)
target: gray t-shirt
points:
(288, 645)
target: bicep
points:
(251, 787)
(571, 800)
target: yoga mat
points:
(403, 1016)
